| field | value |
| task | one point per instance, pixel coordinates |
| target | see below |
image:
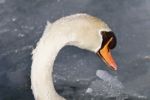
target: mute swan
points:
(81, 30)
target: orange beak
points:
(105, 54)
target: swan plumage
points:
(81, 30)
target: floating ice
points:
(105, 76)
(89, 90)
(14, 19)
(21, 35)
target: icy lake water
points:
(78, 74)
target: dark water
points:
(22, 23)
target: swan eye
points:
(106, 37)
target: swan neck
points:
(42, 67)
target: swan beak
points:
(106, 56)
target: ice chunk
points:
(105, 76)
(89, 90)
(14, 19)
(21, 35)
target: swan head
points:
(95, 35)
(90, 33)
(101, 43)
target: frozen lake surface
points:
(78, 74)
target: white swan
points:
(81, 30)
